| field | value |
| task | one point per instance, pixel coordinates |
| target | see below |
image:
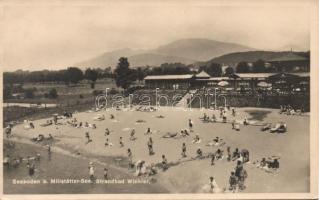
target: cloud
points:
(43, 35)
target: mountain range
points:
(185, 51)
(250, 56)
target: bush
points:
(113, 91)
(97, 92)
(53, 94)
(29, 93)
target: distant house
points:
(237, 81)
(168, 81)
(290, 63)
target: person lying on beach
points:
(99, 118)
(266, 127)
(216, 142)
(169, 135)
(184, 133)
(270, 165)
(214, 118)
(48, 123)
(39, 138)
(196, 139)
(160, 116)
(140, 121)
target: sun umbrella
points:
(223, 83)
(263, 84)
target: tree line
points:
(124, 75)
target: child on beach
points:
(233, 182)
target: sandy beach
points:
(186, 177)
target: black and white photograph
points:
(159, 98)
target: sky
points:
(57, 35)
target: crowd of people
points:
(140, 167)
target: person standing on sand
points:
(130, 158)
(190, 124)
(107, 132)
(212, 162)
(91, 172)
(121, 142)
(164, 163)
(184, 150)
(87, 135)
(105, 173)
(132, 137)
(150, 146)
(233, 182)
(228, 154)
(148, 131)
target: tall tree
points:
(140, 74)
(259, 66)
(74, 75)
(92, 75)
(242, 67)
(123, 74)
(229, 71)
(214, 69)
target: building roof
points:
(254, 75)
(288, 57)
(301, 74)
(168, 77)
(218, 78)
(202, 74)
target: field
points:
(185, 177)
